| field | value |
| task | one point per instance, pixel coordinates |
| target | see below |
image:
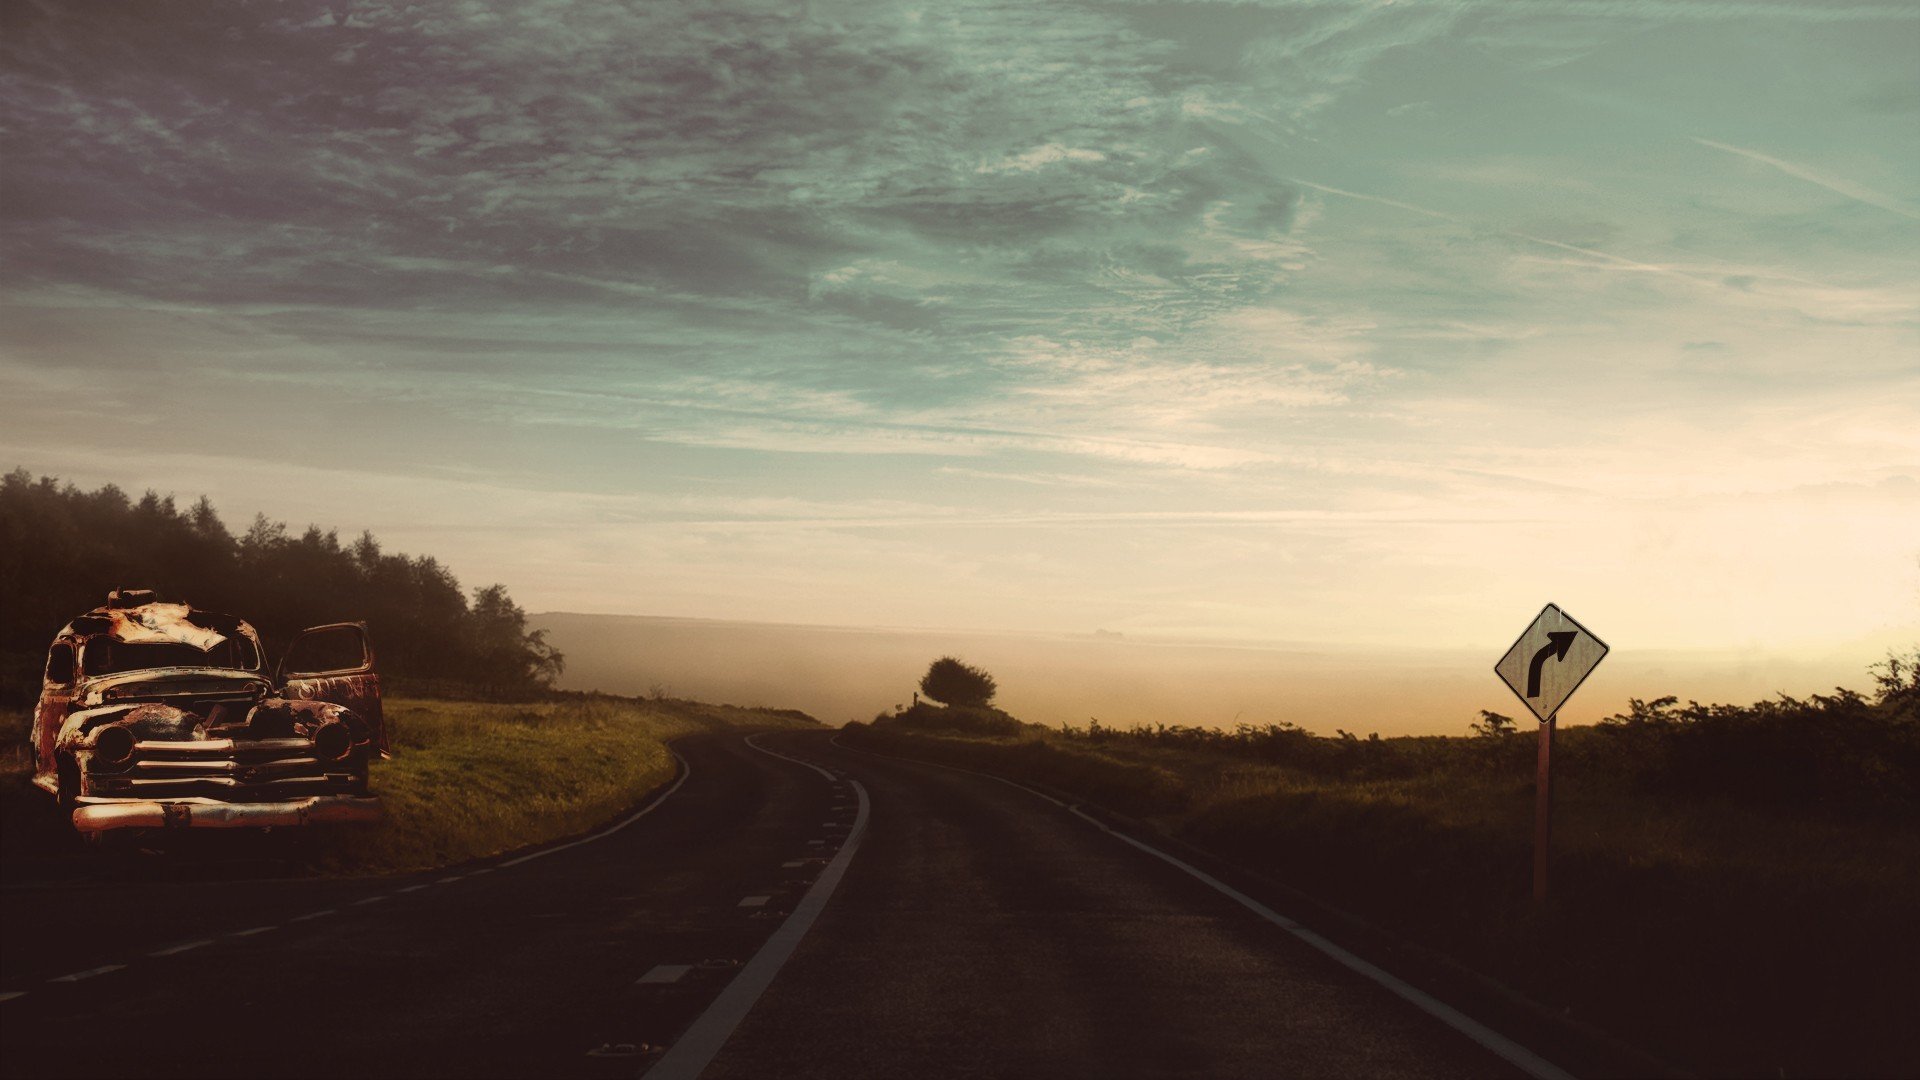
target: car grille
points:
(235, 769)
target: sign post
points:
(1552, 657)
(1543, 809)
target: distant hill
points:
(852, 673)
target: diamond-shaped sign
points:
(1550, 661)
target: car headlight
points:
(112, 746)
(332, 741)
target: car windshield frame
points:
(105, 656)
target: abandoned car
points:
(155, 715)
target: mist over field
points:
(851, 673)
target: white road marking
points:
(176, 950)
(482, 870)
(664, 973)
(77, 976)
(368, 900)
(1506, 1049)
(416, 888)
(11, 994)
(255, 930)
(753, 901)
(449, 880)
(1512, 1052)
(685, 771)
(690, 1056)
(311, 915)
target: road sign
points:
(1550, 661)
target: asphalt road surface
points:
(793, 908)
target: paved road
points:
(977, 931)
(982, 931)
(518, 971)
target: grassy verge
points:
(1730, 937)
(471, 779)
(468, 779)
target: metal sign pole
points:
(1543, 809)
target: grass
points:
(1727, 931)
(471, 779)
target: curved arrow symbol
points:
(1558, 642)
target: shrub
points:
(954, 683)
(960, 719)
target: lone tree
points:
(951, 682)
(1492, 725)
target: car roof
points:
(157, 622)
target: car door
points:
(334, 663)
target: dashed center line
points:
(89, 973)
(255, 930)
(702, 1040)
(368, 900)
(754, 901)
(664, 973)
(311, 915)
(11, 994)
(176, 950)
(449, 880)
(416, 888)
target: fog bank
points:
(839, 674)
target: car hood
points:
(178, 682)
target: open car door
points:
(334, 663)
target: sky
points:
(1352, 325)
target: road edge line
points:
(685, 769)
(1499, 1045)
(703, 1040)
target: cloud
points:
(742, 300)
(1856, 192)
(1042, 156)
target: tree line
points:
(62, 549)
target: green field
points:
(468, 779)
(1734, 888)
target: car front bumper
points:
(202, 813)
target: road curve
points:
(985, 932)
(979, 931)
(578, 963)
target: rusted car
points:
(155, 715)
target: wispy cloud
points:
(1243, 315)
(1856, 192)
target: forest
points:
(62, 549)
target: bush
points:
(953, 683)
(959, 719)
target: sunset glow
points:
(1326, 325)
